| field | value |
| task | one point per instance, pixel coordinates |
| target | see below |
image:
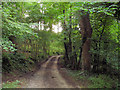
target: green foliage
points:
(16, 62)
(104, 37)
(103, 81)
(56, 44)
(14, 84)
(13, 27)
(8, 45)
(76, 74)
(37, 45)
(94, 81)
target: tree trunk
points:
(96, 59)
(86, 32)
(66, 58)
(79, 62)
(50, 26)
(70, 43)
(74, 59)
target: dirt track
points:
(49, 76)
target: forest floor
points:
(50, 75)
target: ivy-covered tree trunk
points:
(86, 32)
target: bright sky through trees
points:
(57, 28)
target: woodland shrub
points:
(14, 84)
(16, 61)
(94, 80)
(103, 81)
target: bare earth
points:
(49, 76)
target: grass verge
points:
(93, 80)
(14, 84)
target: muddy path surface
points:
(50, 76)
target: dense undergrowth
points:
(12, 62)
(15, 66)
(94, 80)
(15, 84)
(91, 80)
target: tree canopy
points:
(89, 40)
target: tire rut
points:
(37, 80)
(49, 76)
